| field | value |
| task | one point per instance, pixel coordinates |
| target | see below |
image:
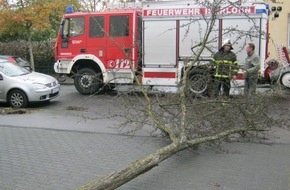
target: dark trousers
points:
(222, 85)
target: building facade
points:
(279, 28)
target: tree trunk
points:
(118, 178)
(31, 52)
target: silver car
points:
(18, 60)
(19, 87)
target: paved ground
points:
(32, 158)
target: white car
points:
(19, 87)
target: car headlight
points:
(38, 86)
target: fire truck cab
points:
(155, 41)
(97, 48)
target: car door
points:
(74, 38)
(120, 43)
(97, 38)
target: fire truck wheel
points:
(198, 83)
(87, 81)
(285, 80)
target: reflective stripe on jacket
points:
(225, 64)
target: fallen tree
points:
(118, 178)
(186, 120)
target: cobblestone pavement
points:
(47, 159)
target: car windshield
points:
(12, 69)
(21, 61)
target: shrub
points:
(42, 51)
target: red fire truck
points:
(154, 41)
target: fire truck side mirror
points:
(64, 36)
(64, 41)
(62, 28)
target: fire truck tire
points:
(198, 84)
(87, 81)
(285, 80)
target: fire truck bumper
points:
(61, 67)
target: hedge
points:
(42, 51)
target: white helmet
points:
(227, 42)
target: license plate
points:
(54, 90)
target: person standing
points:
(225, 67)
(251, 70)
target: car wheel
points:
(87, 81)
(17, 99)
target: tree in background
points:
(93, 5)
(31, 20)
(97, 5)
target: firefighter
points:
(225, 67)
(251, 69)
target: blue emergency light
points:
(69, 9)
